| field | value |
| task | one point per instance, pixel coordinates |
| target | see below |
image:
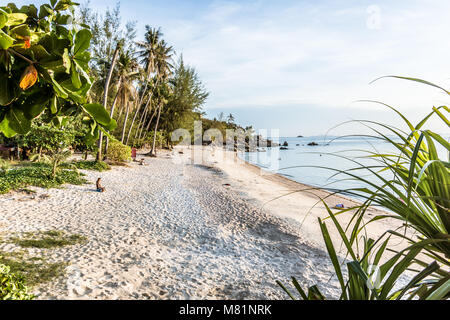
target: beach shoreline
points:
(175, 229)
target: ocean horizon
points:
(307, 164)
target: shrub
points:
(4, 166)
(48, 138)
(117, 151)
(38, 176)
(12, 286)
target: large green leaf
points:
(21, 31)
(75, 77)
(98, 113)
(34, 111)
(112, 125)
(39, 52)
(15, 121)
(5, 40)
(45, 11)
(6, 129)
(15, 19)
(8, 91)
(3, 18)
(82, 41)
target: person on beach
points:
(99, 185)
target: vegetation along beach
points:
(185, 157)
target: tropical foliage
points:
(117, 151)
(38, 175)
(12, 286)
(418, 195)
(44, 68)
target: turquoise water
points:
(301, 162)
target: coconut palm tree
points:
(126, 74)
(164, 70)
(148, 54)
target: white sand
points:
(175, 231)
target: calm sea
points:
(302, 163)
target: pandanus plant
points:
(417, 193)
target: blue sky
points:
(300, 65)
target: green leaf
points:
(8, 90)
(441, 292)
(5, 40)
(112, 125)
(98, 113)
(6, 129)
(54, 105)
(21, 31)
(286, 290)
(34, 111)
(75, 77)
(80, 69)
(82, 41)
(64, 5)
(17, 121)
(332, 254)
(3, 18)
(64, 19)
(45, 11)
(39, 52)
(15, 19)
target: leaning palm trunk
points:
(132, 123)
(125, 122)
(147, 129)
(134, 119)
(140, 124)
(141, 131)
(142, 120)
(112, 111)
(153, 151)
(105, 98)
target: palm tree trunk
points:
(140, 123)
(125, 122)
(150, 122)
(105, 98)
(153, 151)
(143, 116)
(143, 123)
(112, 111)
(132, 123)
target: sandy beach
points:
(176, 230)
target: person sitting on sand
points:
(99, 185)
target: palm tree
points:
(105, 97)
(148, 55)
(127, 67)
(164, 70)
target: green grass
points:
(87, 165)
(37, 175)
(34, 270)
(48, 240)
